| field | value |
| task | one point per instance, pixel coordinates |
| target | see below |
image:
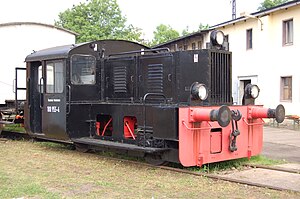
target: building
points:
(193, 41)
(265, 47)
(19, 39)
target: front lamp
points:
(199, 91)
(252, 90)
(217, 38)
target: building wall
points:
(19, 40)
(268, 60)
(196, 41)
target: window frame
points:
(249, 39)
(55, 64)
(287, 32)
(193, 46)
(199, 43)
(284, 87)
(71, 70)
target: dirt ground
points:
(43, 170)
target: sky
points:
(144, 14)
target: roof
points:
(255, 14)
(259, 14)
(58, 52)
(61, 52)
(201, 32)
(37, 24)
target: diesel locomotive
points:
(123, 96)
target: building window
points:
(193, 46)
(199, 44)
(287, 32)
(286, 88)
(249, 39)
(185, 47)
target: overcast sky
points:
(145, 14)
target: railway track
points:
(5, 136)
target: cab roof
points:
(107, 46)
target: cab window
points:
(83, 69)
(54, 77)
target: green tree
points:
(203, 27)
(185, 31)
(164, 33)
(270, 3)
(98, 19)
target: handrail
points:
(144, 104)
(28, 92)
(194, 129)
(69, 99)
(253, 124)
(154, 94)
(16, 88)
(140, 51)
(41, 92)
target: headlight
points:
(217, 37)
(252, 90)
(199, 91)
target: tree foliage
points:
(98, 19)
(270, 3)
(203, 27)
(185, 31)
(164, 33)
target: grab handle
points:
(194, 129)
(254, 124)
(69, 98)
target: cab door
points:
(32, 109)
(53, 100)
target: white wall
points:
(268, 60)
(18, 41)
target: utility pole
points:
(233, 2)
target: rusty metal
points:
(274, 168)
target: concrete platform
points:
(280, 143)
(269, 178)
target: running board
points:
(116, 145)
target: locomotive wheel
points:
(82, 148)
(155, 160)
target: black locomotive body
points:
(167, 106)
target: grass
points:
(212, 167)
(237, 164)
(50, 170)
(17, 187)
(13, 127)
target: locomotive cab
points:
(59, 80)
